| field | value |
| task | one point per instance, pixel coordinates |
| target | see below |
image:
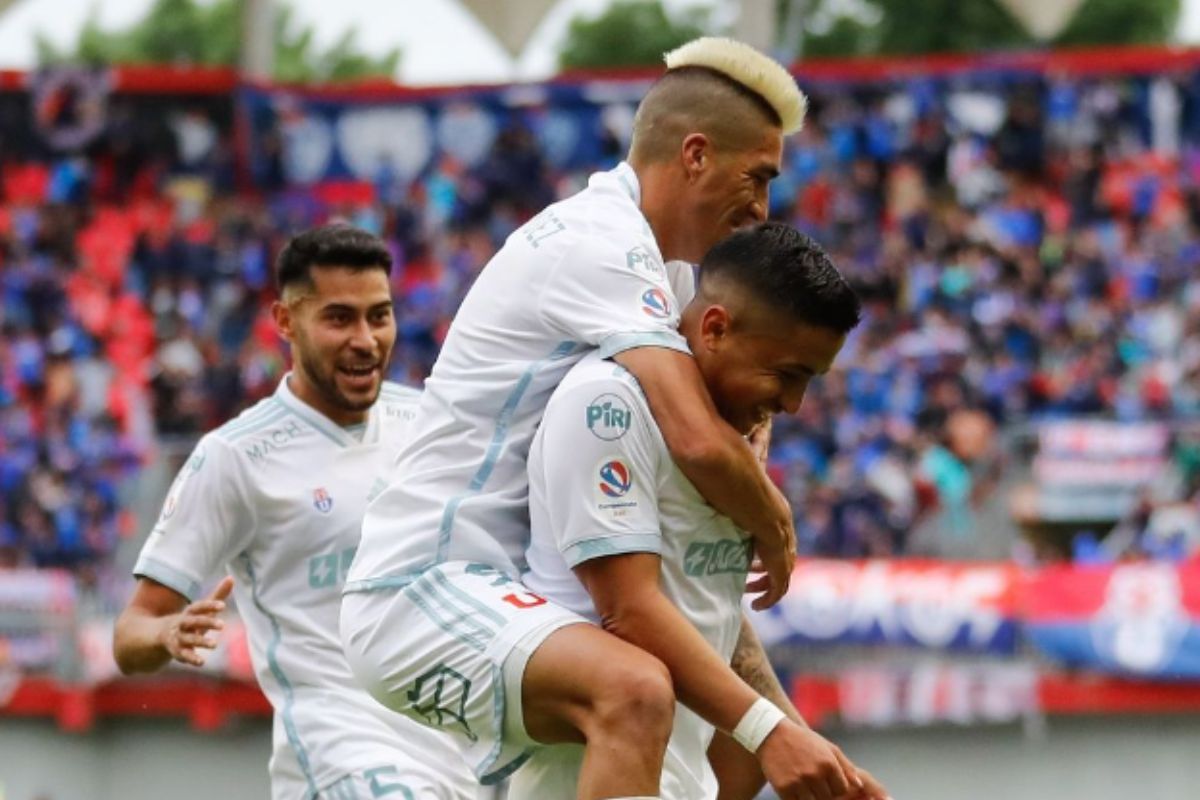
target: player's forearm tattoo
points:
(750, 662)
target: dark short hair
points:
(337, 245)
(787, 271)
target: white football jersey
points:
(601, 482)
(277, 495)
(585, 274)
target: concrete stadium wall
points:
(1073, 759)
(136, 759)
(1109, 758)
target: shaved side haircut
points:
(334, 245)
(691, 100)
(777, 268)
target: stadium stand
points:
(1025, 233)
(1027, 251)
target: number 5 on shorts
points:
(380, 789)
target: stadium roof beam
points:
(1043, 19)
(258, 40)
(512, 22)
(756, 24)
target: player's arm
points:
(716, 459)
(206, 519)
(625, 590)
(739, 775)
(614, 551)
(594, 294)
(751, 664)
(159, 625)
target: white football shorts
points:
(449, 650)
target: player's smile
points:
(361, 378)
(343, 336)
(764, 369)
(739, 184)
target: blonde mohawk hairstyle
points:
(742, 63)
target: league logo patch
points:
(615, 480)
(171, 504)
(322, 501)
(656, 304)
(609, 417)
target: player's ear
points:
(282, 314)
(714, 326)
(695, 153)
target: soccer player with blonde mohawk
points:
(435, 621)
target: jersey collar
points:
(323, 424)
(627, 179)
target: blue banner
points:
(309, 136)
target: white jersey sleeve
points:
(205, 521)
(598, 462)
(614, 299)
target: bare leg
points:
(585, 685)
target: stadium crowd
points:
(1025, 250)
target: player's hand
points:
(775, 551)
(871, 789)
(194, 629)
(760, 441)
(800, 764)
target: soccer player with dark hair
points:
(622, 537)
(276, 497)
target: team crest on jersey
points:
(615, 479)
(656, 304)
(609, 417)
(322, 501)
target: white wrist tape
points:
(757, 723)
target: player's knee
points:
(638, 700)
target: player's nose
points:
(758, 211)
(361, 337)
(791, 401)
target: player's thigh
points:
(574, 671)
